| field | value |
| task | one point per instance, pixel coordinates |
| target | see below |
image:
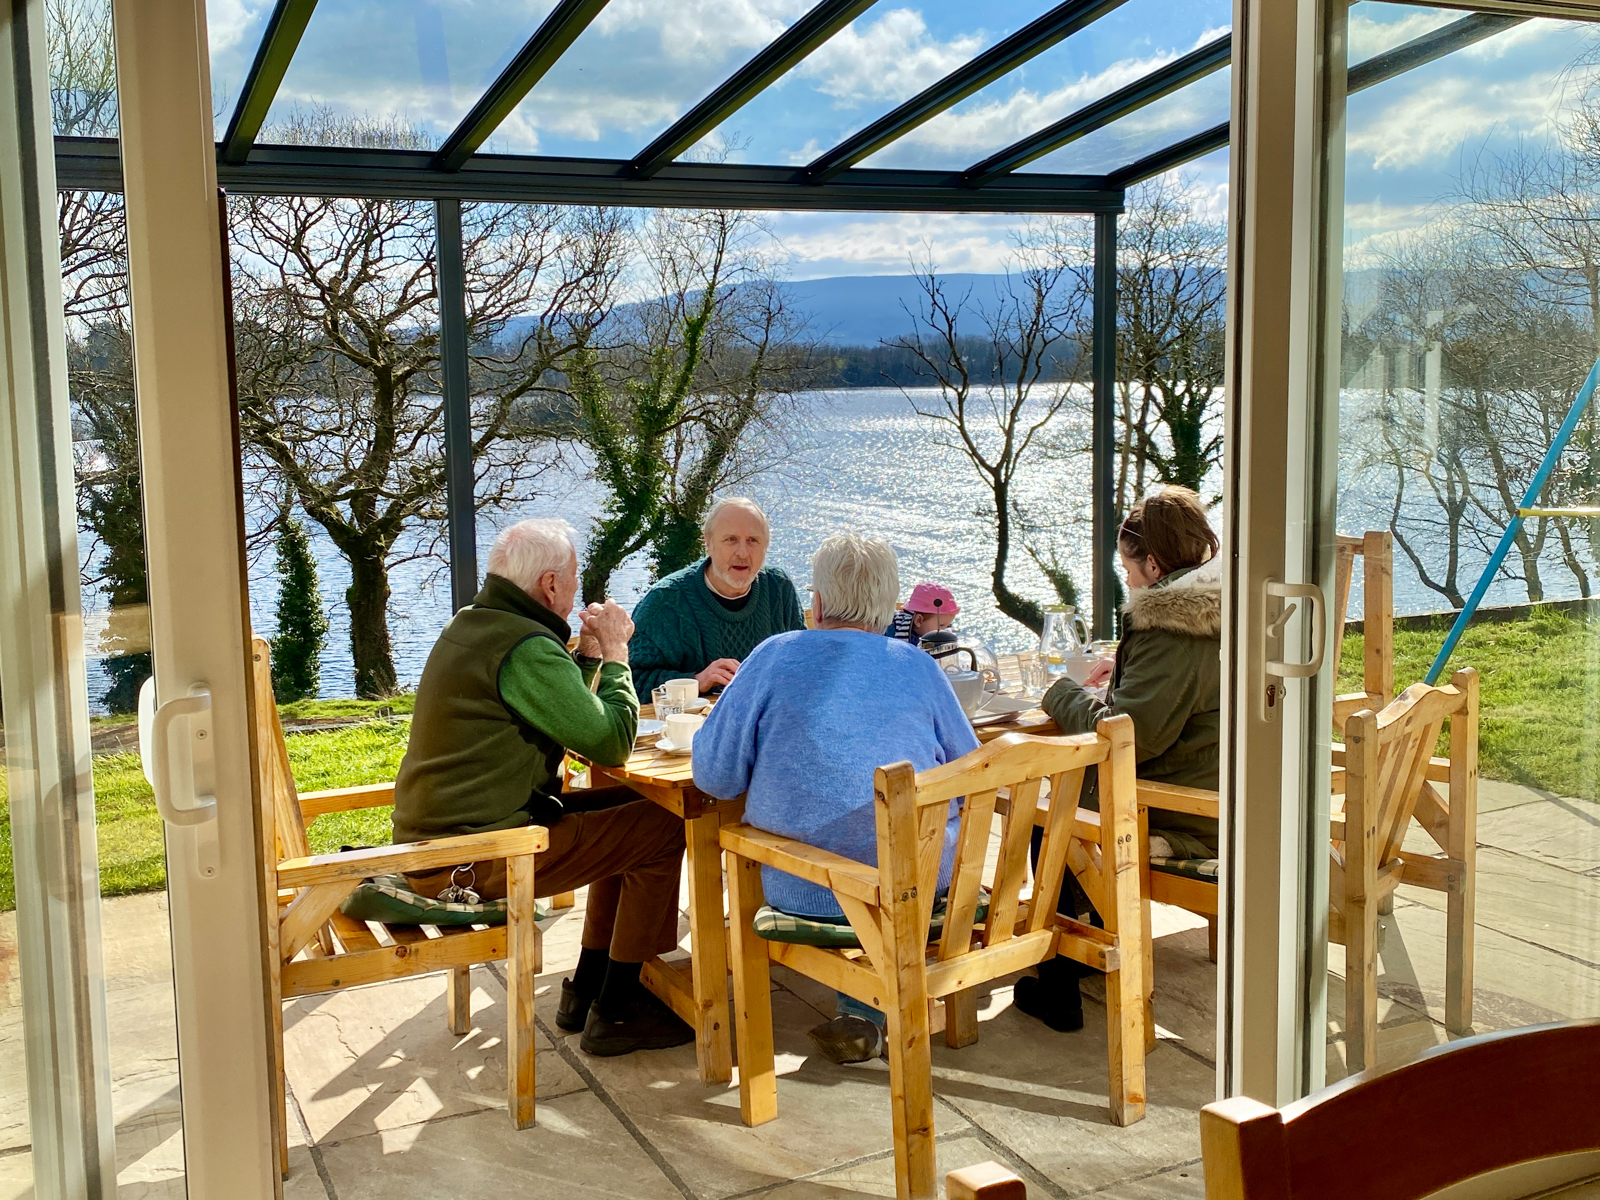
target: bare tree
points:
(687, 392)
(992, 409)
(338, 351)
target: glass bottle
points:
(1064, 636)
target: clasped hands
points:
(604, 630)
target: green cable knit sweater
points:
(679, 627)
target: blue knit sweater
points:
(800, 731)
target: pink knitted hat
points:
(932, 598)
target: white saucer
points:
(669, 747)
(698, 704)
(649, 727)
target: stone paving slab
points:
(875, 1177)
(1559, 832)
(577, 1151)
(381, 1057)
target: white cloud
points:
(892, 58)
(227, 21)
(1434, 121)
(701, 31)
(820, 245)
(1366, 37)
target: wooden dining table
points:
(699, 993)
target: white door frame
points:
(194, 541)
(41, 655)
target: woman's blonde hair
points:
(1171, 527)
(857, 579)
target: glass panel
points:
(366, 76)
(1200, 106)
(234, 29)
(1127, 43)
(637, 69)
(1465, 230)
(83, 78)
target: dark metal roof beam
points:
(1447, 40)
(94, 164)
(278, 43)
(549, 42)
(1004, 56)
(1192, 66)
(1430, 46)
(799, 40)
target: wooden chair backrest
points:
(277, 781)
(1387, 755)
(1376, 549)
(912, 811)
(1455, 1112)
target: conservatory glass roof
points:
(940, 105)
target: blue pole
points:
(1535, 486)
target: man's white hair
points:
(727, 502)
(526, 550)
(857, 580)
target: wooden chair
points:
(890, 906)
(314, 948)
(1454, 1113)
(1391, 779)
(1376, 550)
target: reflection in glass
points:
(1467, 230)
(83, 77)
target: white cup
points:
(681, 728)
(682, 691)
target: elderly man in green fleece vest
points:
(500, 702)
(704, 620)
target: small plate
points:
(990, 718)
(649, 727)
(698, 704)
(1006, 704)
(669, 747)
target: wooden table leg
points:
(708, 948)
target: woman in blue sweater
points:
(808, 719)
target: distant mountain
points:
(863, 310)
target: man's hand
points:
(610, 627)
(718, 673)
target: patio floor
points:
(383, 1096)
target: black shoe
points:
(847, 1040)
(1055, 1001)
(647, 1024)
(573, 1011)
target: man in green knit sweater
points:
(704, 620)
(500, 703)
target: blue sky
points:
(644, 62)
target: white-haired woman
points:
(807, 720)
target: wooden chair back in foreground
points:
(1455, 1113)
(316, 948)
(890, 909)
(1376, 550)
(984, 1181)
(1388, 780)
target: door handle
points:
(1312, 595)
(190, 775)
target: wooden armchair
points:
(1376, 550)
(1388, 770)
(890, 908)
(314, 948)
(1454, 1113)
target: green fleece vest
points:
(472, 764)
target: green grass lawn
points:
(1539, 694)
(132, 849)
(1539, 725)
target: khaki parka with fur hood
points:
(1168, 678)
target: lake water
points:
(858, 459)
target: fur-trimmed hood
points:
(1186, 602)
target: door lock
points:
(1274, 627)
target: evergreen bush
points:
(302, 623)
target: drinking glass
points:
(665, 706)
(1034, 671)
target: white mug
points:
(682, 691)
(681, 728)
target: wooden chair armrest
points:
(412, 856)
(1196, 801)
(811, 863)
(368, 795)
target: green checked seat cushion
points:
(1182, 854)
(389, 901)
(778, 926)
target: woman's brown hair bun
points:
(1171, 527)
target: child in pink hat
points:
(930, 607)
